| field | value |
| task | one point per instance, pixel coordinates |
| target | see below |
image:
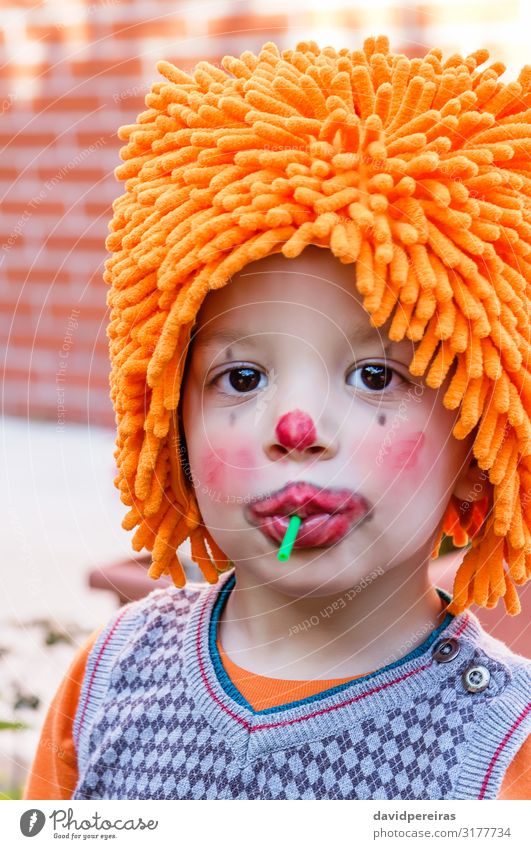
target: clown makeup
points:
(290, 397)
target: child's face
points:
(301, 340)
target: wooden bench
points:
(129, 579)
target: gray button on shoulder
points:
(446, 649)
(476, 678)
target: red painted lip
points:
(327, 514)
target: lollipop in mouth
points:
(304, 515)
(289, 538)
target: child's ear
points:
(472, 483)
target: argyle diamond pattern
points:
(149, 737)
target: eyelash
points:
(242, 366)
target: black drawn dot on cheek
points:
(381, 419)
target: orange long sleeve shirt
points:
(53, 773)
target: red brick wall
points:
(70, 75)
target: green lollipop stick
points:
(289, 538)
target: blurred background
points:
(72, 72)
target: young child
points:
(319, 309)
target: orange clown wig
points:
(418, 171)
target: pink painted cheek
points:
(214, 468)
(224, 467)
(403, 455)
(371, 457)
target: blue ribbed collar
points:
(218, 606)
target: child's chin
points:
(309, 582)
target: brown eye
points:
(376, 377)
(373, 376)
(241, 379)
(244, 379)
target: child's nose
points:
(296, 431)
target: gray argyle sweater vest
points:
(158, 717)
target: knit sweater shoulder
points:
(158, 717)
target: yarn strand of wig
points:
(415, 170)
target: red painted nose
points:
(295, 430)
